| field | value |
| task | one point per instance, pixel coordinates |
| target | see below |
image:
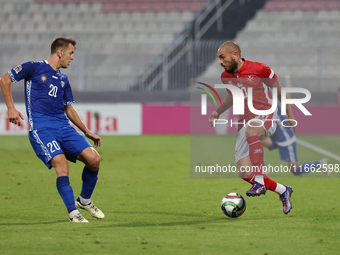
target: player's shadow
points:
(31, 223)
(164, 213)
(206, 220)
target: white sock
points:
(259, 179)
(280, 189)
(74, 212)
(84, 201)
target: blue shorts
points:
(50, 142)
(287, 153)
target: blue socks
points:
(65, 190)
(306, 168)
(89, 182)
(66, 193)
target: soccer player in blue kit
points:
(285, 140)
(49, 99)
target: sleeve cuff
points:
(68, 103)
(12, 76)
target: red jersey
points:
(258, 76)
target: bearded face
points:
(230, 66)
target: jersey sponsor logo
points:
(62, 84)
(17, 69)
(43, 78)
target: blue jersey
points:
(46, 93)
(283, 137)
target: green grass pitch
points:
(152, 206)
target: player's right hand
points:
(213, 116)
(14, 116)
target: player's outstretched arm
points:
(14, 115)
(74, 116)
(226, 104)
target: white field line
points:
(318, 149)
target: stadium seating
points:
(119, 39)
(136, 5)
(116, 39)
(302, 5)
(298, 39)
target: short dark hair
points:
(61, 43)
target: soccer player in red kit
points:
(249, 150)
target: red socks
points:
(256, 159)
(269, 183)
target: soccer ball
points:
(233, 205)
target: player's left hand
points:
(95, 138)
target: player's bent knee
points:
(94, 162)
(250, 131)
(90, 158)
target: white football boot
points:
(79, 218)
(91, 208)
